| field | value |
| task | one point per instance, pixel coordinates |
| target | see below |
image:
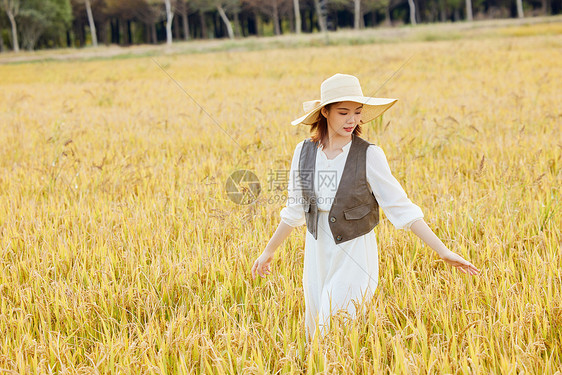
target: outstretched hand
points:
(262, 265)
(462, 264)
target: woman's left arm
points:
(423, 231)
(400, 210)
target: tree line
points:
(33, 24)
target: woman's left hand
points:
(462, 264)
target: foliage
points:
(57, 23)
(46, 18)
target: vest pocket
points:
(357, 212)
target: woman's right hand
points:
(262, 265)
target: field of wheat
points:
(120, 251)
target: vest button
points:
(333, 219)
(338, 238)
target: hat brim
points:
(372, 108)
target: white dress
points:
(334, 274)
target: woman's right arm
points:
(292, 215)
(262, 265)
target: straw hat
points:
(342, 88)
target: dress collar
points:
(344, 148)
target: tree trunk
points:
(468, 10)
(412, 11)
(226, 21)
(82, 34)
(113, 31)
(248, 24)
(2, 47)
(387, 16)
(276, 26)
(319, 6)
(291, 19)
(204, 33)
(169, 20)
(519, 8)
(92, 24)
(103, 34)
(153, 33)
(2, 44)
(545, 7)
(237, 26)
(129, 33)
(442, 10)
(15, 42)
(176, 28)
(218, 28)
(244, 25)
(259, 24)
(117, 31)
(185, 18)
(356, 14)
(122, 31)
(298, 23)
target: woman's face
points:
(343, 117)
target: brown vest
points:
(354, 211)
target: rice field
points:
(121, 252)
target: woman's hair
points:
(319, 129)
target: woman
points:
(336, 184)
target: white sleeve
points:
(393, 200)
(293, 213)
